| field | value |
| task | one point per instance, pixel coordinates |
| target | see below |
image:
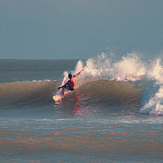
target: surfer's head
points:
(70, 76)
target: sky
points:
(79, 29)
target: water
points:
(114, 115)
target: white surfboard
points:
(58, 96)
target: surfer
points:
(71, 83)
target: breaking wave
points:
(147, 74)
(129, 82)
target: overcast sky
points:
(79, 29)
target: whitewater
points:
(114, 115)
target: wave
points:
(129, 82)
(26, 92)
(92, 93)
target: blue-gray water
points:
(114, 115)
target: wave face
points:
(103, 97)
(26, 93)
(93, 93)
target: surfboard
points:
(58, 96)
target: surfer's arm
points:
(64, 84)
(79, 73)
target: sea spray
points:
(104, 66)
(99, 66)
(130, 68)
(78, 68)
(154, 105)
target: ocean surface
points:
(114, 115)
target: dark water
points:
(114, 115)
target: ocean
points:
(114, 115)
